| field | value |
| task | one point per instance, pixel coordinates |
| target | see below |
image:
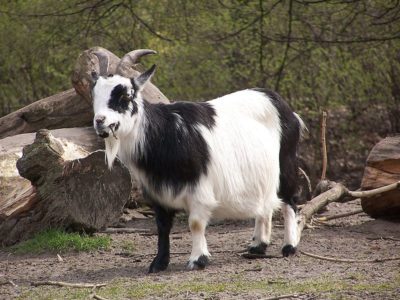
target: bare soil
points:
(229, 275)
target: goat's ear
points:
(144, 77)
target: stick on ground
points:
(345, 260)
(68, 284)
(338, 216)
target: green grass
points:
(330, 288)
(55, 240)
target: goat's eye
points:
(119, 99)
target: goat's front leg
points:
(164, 219)
(198, 219)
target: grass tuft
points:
(56, 240)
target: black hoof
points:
(259, 249)
(158, 265)
(198, 264)
(288, 250)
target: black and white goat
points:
(232, 157)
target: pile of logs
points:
(62, 180)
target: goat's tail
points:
(303, 127)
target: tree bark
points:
(382, 168)
(71, 189)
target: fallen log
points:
(71, 189)
(382, 168)
(72, 108)
(65, 109)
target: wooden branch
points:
(345, 260)
(285, 296)
(68, 284)
(323, 145)
(95, 296)
(338, 216)
(9, 281)
(314, 205)
(384, 238)
(374, 192)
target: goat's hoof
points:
(198, 264)
(288, 250)
(259, 249)
(158, 266)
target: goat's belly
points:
(245, 205)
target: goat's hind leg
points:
(262, 234)
(291, 238)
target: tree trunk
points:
(383, 168)
(70, 189)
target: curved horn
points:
(103, 62)
(130, 59)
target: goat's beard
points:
(112, 147)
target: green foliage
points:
(316, 54)
(55, 240)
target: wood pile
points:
(62, 180)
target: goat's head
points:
(116, 100)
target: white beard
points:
(112, 148)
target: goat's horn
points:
(130, 59)
(103, 62)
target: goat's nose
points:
(100, 120)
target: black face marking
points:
(290, 137)
(175, 153)
(119, 100)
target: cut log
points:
(69, 108)
(383, 168)
(12, 185)
(71, 189)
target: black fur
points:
(288, 250)
(259, 249)
(290, 137)
(119, 100)
(201, 262)
(175, 153)
(164, 219)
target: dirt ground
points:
(229, 276)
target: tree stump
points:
(383, 168)
(71, 189)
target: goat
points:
(232, 157)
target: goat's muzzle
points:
(104, 131)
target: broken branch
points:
(349, 260)
(338, 216)
(374, 192)
(68, 284)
